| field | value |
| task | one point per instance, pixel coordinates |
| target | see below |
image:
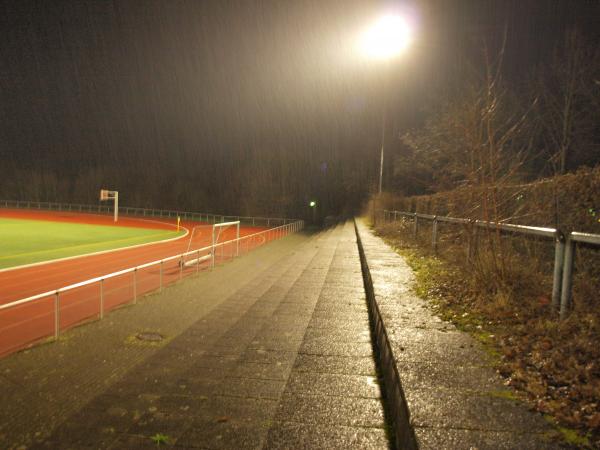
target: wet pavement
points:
(270, 351)
(454, 397)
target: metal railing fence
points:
(145, 212)
(42, 316)
(564, 247)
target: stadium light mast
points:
(384, 40)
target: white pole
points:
(116, 205)
(213, 247)
(237, 240)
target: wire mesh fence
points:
(146, 212)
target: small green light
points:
(313, 204)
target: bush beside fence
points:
(565, 245)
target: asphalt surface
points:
(269, 351)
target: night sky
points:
(232, 106)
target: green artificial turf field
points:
(31, 241)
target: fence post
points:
(567, 278)
(434, 230)
(416, 226)
(56, 315)
(181, 268)
(212, 263)
(102, 298)
(135, 286)
(160, 278)
(470, 238)
(559, 259)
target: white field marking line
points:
(50, 261)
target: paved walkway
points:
(270, 351)
(454, 397)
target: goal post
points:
(210, 242)
(105, 194)
(216, 232)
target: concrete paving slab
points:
(275, 371)
(352, 412)
(335, 364)
(331, 384)
(451, 439)
(336, 349)
(294, 436)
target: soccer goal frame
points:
(215, 237)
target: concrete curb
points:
(404, 435)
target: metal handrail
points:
(564, 252)
(276, 233)
(142, 266)
(586, 238)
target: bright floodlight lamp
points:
(387, 37)
(313, 204)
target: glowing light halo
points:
(389, 36)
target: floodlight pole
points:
(385, 88)
(382, 146)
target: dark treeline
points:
(247, 107)
(232, 107)
(519, 98)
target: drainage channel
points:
(394, 400)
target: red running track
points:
(31, 322)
